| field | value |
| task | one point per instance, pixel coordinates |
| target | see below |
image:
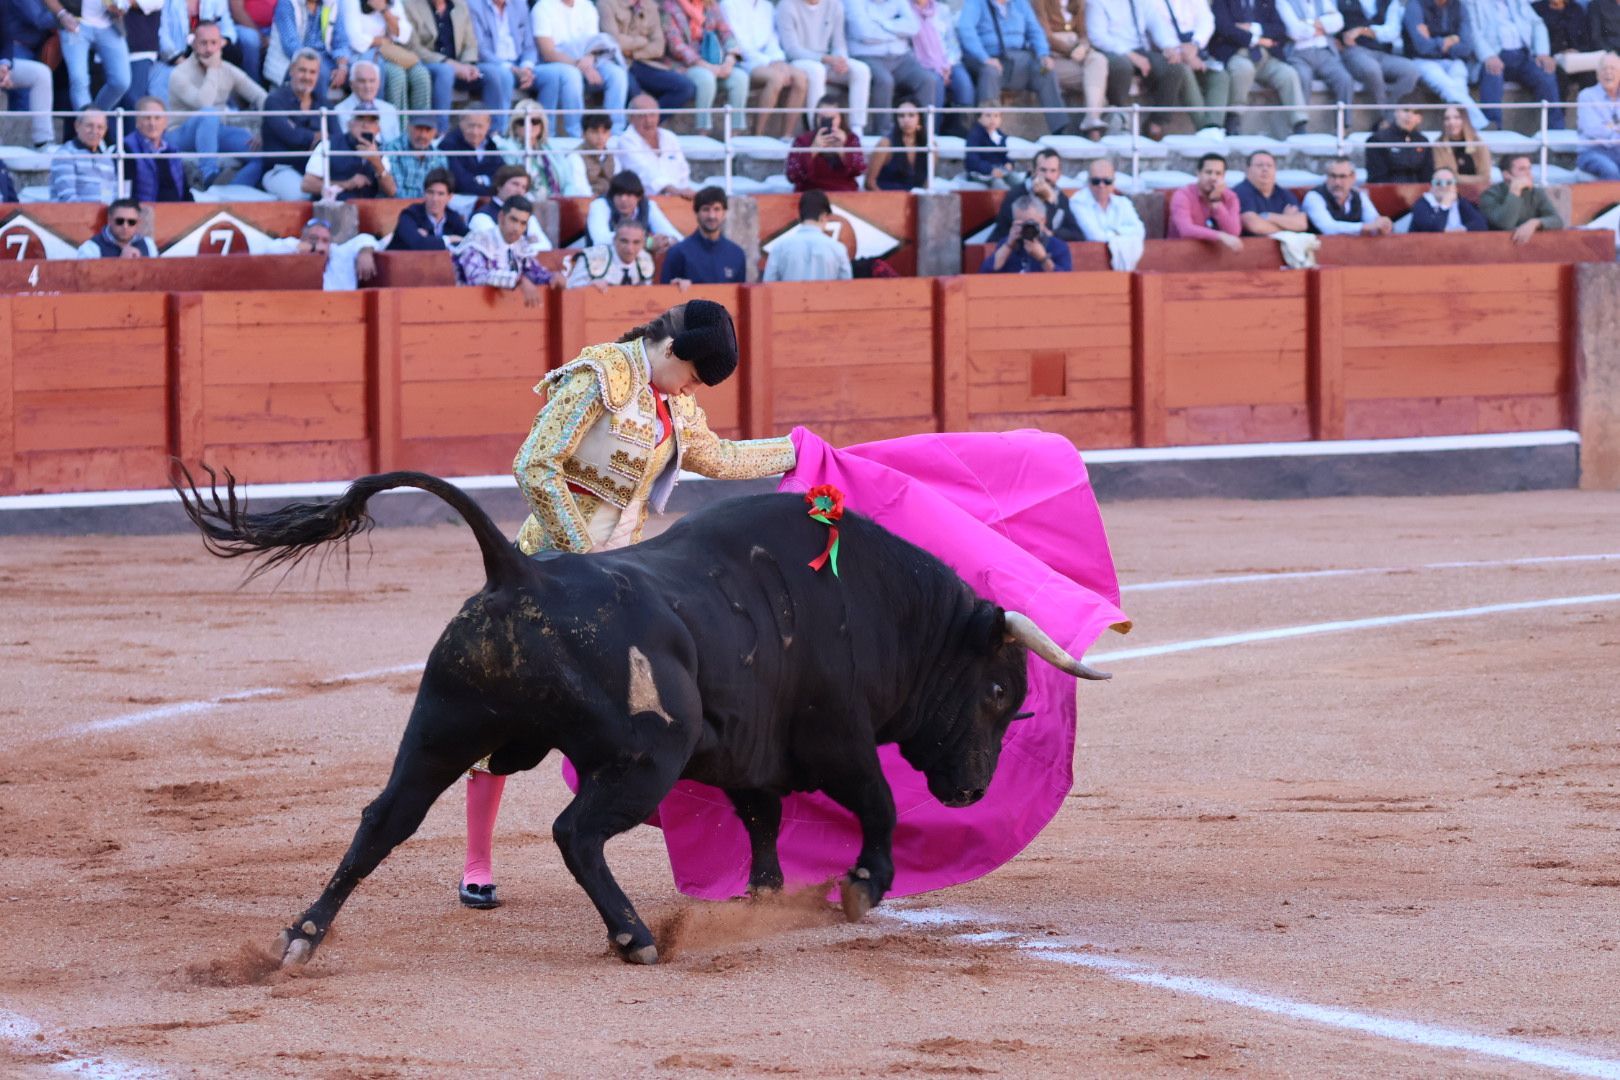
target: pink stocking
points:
(483, 803)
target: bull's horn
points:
(1022, 628)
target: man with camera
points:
(357, 170)
(1029, 248)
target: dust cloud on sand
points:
(700, 927)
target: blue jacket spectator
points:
(705, 262)
(8, 186)
(486, 28)
(25, 26)
(1020, 29)
(294, 27)
(1441, 21)
(292, 137)
(473, 175)
(1019, 260)
(154, 179)
(986, 151)
(1429, 216)
(416, 232)
(1228, 39)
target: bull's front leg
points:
(761, 814)
(868, 797)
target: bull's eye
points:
(997, 692)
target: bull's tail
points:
(285, 536)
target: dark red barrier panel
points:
(1587, 201)
(1444, 249)
(205, 272)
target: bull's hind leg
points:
(431, 756)
(612, 799)
(761, 814)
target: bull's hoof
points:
(295, 949)
(855, 896)
(625, 945)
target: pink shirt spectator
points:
(1189, 214)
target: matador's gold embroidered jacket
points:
(599, 432)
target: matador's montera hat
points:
(706, 339)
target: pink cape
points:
(1014, 514)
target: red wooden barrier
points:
(205, 272)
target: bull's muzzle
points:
(1021, 628)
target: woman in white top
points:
(753, 23)
(379, 31)
(553, 174)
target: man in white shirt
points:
(653, 153)
(1120, 30)
(808, 253)
(568, 34)
(753, 23)
(1312, 26)
(347, 264)
(626, 261)
(880, 33)
(1101, 212)
(365, 83)
(813, 39)
(1180, 30)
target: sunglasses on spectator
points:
(1099, 181)
(126, 221)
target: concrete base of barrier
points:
(1457, 465)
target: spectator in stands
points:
(253, 19)
(1120, 29)
(1206, 209)
(348, 165)
(553, 173)
(1081, 71)
(568, 36)
(206, 84)
(1372, 30)
(627, 198)
(505, 257)
(380, 32)
(1338, 209)
(413, 156)
(96, 27)
(879, 34)
(8, 186)
(1512, 44)
(506, 53)
(429, 225)
(1005, 48)
(1264, 207)
(638, 27)
(1313, 27)
(511, 182)
(119, 239)
(596, 155)
(153, 179)
(1042, 183)
(702, 46)
(1597, 115)
(1604, 23)
(1442, 209)
(347, 264)
(1516, 204)
(442, 39)
(625, 261)
(365, 89)
(473, 155)
(1569, 36)
(827, 157)
(1439, 41)
(899, 161)
(706, 257)
(781, 85)
(143, 37)
(83, 170)
(176, 23)
(985, 158)
(1251, 42)
(1029, 248)
(1408, 159)
(313, 25)
(808, 253)
(1181, 31)
(652, 152)
(1469, 161)
(939, 51)
(1103, 214)
(814, 40)
(290, 137)
(25, 81)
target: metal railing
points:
(1130, 121)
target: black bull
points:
(711, 653)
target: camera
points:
(1027, 231)
(824, 124)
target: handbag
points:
(398, 55)
(709, 48)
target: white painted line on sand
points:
(1357, 571)
(1073, 954)
(1427, 444)
(27, 1039)
(1344, 625)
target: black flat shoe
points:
(478, 896)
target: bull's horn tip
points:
(1123, 627)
